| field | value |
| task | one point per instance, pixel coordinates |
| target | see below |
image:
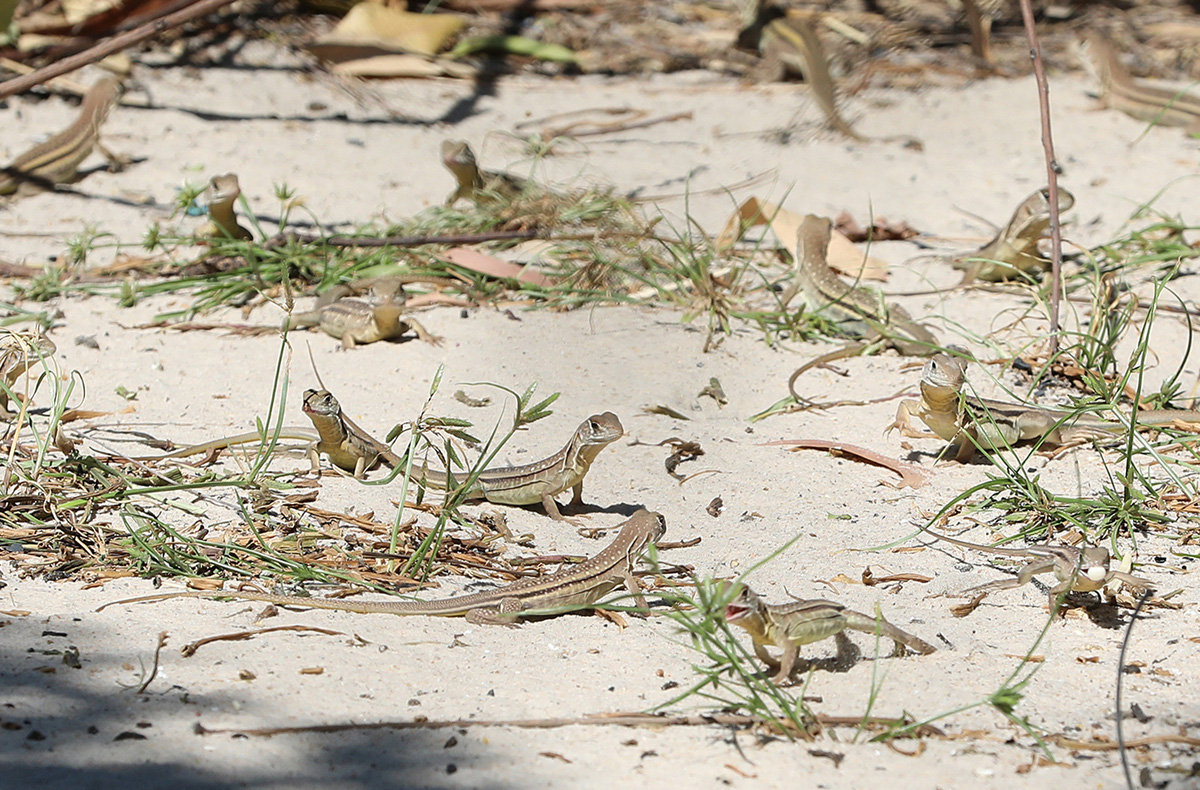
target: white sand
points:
(981, 154)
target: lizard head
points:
(1094, 563)
(745, 605)
(456, 154)
(943, 372)
(321, 403)
(601, 429)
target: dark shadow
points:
(69, 726)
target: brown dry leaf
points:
(870, 579)
(910, 475)
(842, 255)
(205, 584)
(492, 266)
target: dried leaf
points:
(842, 256)
(910, 475)
(388, 30)
(492, 266)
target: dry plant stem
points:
(1052, 169)
(108, 47)
(599, 719)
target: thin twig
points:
(600, 719)
(189, 650)
(162, 642)
(1052, 170)
(109, 46)
(1120, 676)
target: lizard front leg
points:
(553, 512)
(505, 614)
(904, 422)
(423, 333)
(635, 587)
(787, 662)
(760, 650)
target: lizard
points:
(57, 159)
(1014, 250)
(474, 183)
(971, 422)
(348, 446)
(1153, 104)
(540, 481)
(858, 310)
(576, 587)
(358, 319)
(221, 195)
(19, 351)
(1077, 569)
(791, 625)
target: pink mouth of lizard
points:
(735, 611)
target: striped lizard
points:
(540, 481)
(1120, 91)
(971, 422)
(1014, 250)
(57, 160)
(348, 446)
(357, 320)
(1077, 569)
(576, 587)
(792, 625)
(474, 183)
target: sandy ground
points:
(67, 727)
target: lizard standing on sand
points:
(576, 587)
(542, 480)
(348, 446)
(473, 183)
(57, 160)
(1076, 569)
(356, 319)
(791, 625)
(970, 422)
(1014, 251)
(220, 197)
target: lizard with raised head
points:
(790, 626)
(1014, 250)
(220, 196)
(576, 587)
(970, 422)
(859, 311)
(1085, 569)
(540, 481)
(348, 446)
(57, 159)
(474, 183)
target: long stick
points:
(1052, 170)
